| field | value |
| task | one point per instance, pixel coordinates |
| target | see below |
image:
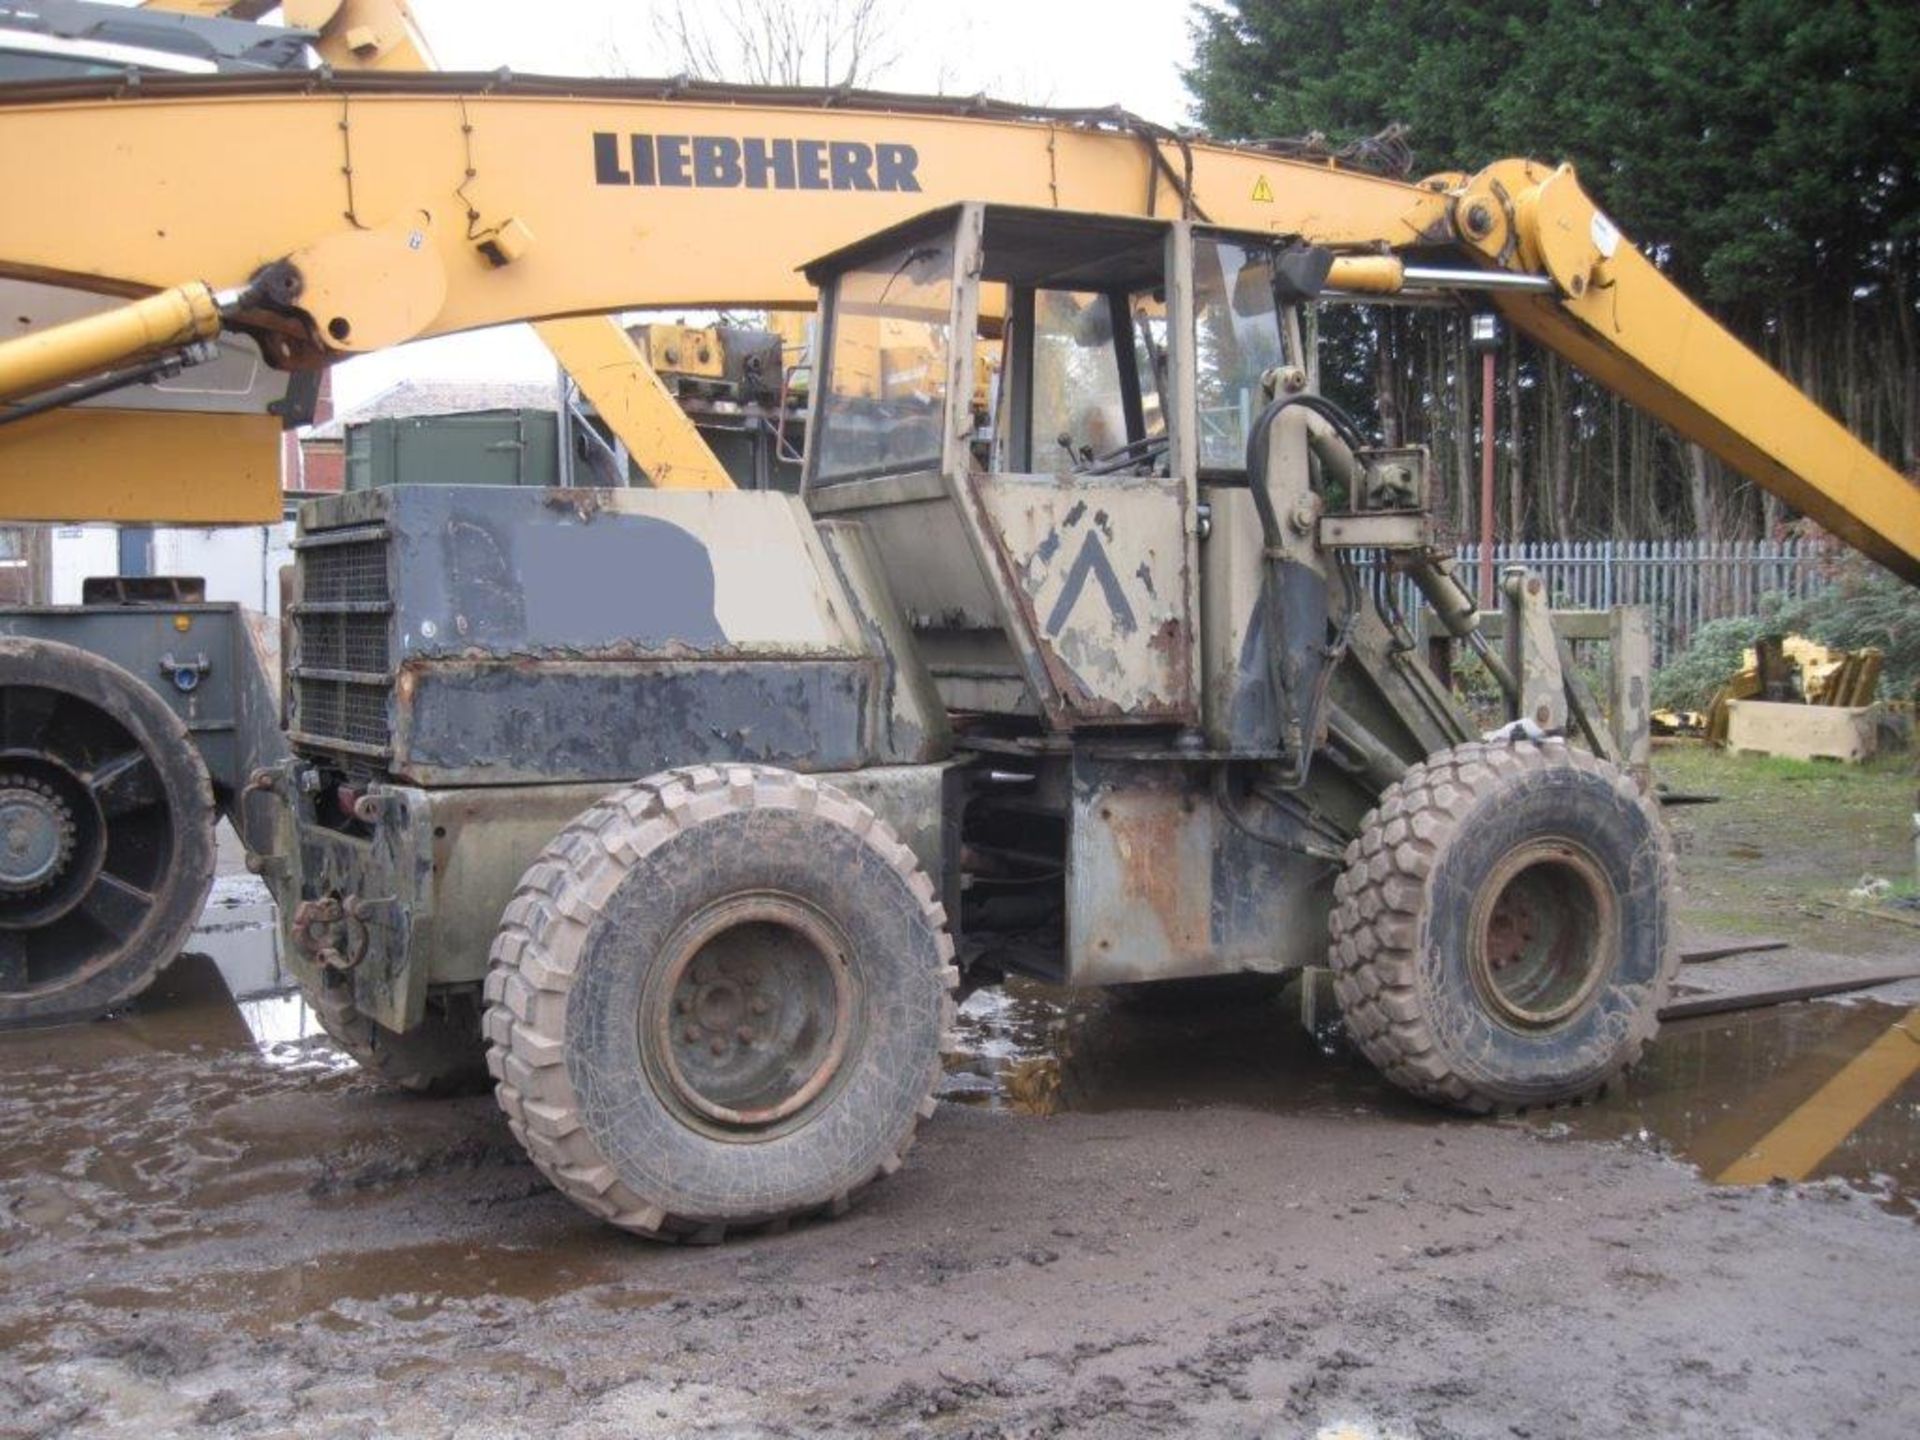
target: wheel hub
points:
(36, 835)
(1545, 932)
(752, 1016)
(1510, 929)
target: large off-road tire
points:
(1503, 933)
(445, 1054)
(106, 834)
(719, 1000)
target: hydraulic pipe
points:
(1389, 275)
(1452, 604)
(83, 348)
(1441, 277)
(1488, 597)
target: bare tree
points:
(830, 43)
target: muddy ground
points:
(1214, 1224)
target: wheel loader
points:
(681, 814)
(1101, 696)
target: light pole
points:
(1483, 335)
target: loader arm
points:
(1615, 316)
(399, 206)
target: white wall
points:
(77, 552)
(239, 562)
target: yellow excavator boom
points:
(368, 209)
(383, 35)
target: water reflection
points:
(1038, 1049)
(1708, 1090)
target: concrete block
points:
(1802, 732)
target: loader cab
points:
(1021, 408)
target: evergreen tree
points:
(1765, 152)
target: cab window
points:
(888, 365)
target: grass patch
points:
(1788, 840)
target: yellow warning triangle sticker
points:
(1262, 191)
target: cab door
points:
(1092, 518)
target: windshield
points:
(887, 371)
(1237, 337)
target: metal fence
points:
(1683, 583)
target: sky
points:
(1043, 52)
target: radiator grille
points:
(340, 710)
(350, 572)
(343, 676)
(333, 641)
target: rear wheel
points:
(718, 1000)
(442, 1055)
(106, 833)
(1503, 931)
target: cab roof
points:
(1027, 246)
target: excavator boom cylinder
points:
(85, 347)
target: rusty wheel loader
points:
(1096, 693)
(682, 813)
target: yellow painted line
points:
(1792, 1149)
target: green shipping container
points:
(484, 447)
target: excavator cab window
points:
(1049, 578)
(887, 364)
(1239, 334)
(1095, 389)
(1078, 308)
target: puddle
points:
(141, 1123)
(228, 993)
(196, 1095)
(1708, 1091)
(1038, 1049)
(375, 1286)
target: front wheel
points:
(718, 1000)
(1503, 931)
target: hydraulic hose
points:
(1259, 437)
(1259, 440)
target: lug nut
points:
(719, 1045)
(690, 1034)
(759, 1005)
(744, 1034)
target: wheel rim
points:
(1545, 934)
(86, 840)
(751, 1018)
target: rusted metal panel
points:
(503, 723)
(486, 570)
(1533, 650)
(1098, 575)
(1162, 885)
(1629, 687)
(483, 635)
(910, 722)
(419, 891)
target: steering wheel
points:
(1134, 452)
